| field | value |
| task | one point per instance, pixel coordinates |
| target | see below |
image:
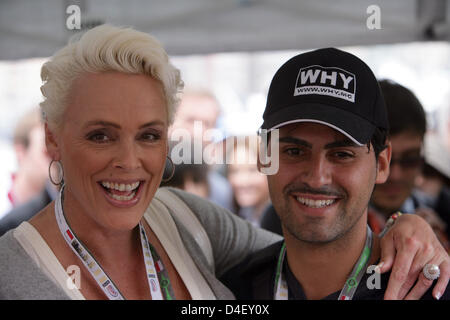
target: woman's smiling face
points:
(112, 143)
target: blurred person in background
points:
(433, 185)
(407, 121)
(250, 189)
(32, 160)
(198, 113)
(190, 177)
(33, 176)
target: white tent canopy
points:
(37, 28)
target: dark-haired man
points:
(407, 127)
(332, 146)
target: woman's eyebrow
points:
(102, 123)
(152, 123)
(115, 125)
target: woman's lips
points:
(122, 194)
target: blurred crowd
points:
(224, 169)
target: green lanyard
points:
(351, 284)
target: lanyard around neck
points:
(351, 284)
(97, 272)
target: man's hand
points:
(413, 244)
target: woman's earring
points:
(173, 170)
(60, 173)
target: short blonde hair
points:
(101, 49)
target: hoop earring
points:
(60, 173)
(173, 170)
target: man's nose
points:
(316, 172)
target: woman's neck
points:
(104, 243)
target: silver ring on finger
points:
(431, 271)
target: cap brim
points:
(357, 129)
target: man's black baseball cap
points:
(330, 87)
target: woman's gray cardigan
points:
(232, 239)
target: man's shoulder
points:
(253, 277)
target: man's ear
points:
(52, 144)
(384, 159)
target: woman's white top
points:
(161, 223)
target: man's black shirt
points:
(254, 279)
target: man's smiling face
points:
(324, 182)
